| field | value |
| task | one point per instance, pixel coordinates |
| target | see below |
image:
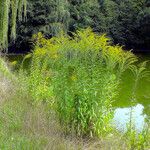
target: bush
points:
(79, 77)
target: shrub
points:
(79, 76)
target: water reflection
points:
(140, 105)
(122, 117)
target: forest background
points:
(125, 22)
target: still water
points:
(140, 105)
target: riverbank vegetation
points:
(61, 94)
(63, 98)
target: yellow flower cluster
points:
(82, 41)
(73, 77)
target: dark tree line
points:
(127, 22)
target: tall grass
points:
(6, 80)
(4, 70)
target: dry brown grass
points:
(5, 89)
(5, 83)
(40, 123)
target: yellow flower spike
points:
(73, 77)
(40, 51)
(40, 35)
(14, 63)
(55, 56)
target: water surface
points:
(140, 105)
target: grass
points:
(63, 100)
(26, 126)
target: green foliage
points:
(16, 130)
(137, 140)
(126, 22)
(140, 71)
(4, 71)
(79, 78)
(49, 16)
(37, 83)
(7, 6)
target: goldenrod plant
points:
(79, 77)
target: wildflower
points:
(40, 51)
(13, 63)
(73, 77)
(54, 56)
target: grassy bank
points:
(26, 126)
(63, 99)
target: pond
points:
(140, 105)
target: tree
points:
(125, 21)
(142, 30)
(46, 16)
(8, 7)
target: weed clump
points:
(79, 78)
